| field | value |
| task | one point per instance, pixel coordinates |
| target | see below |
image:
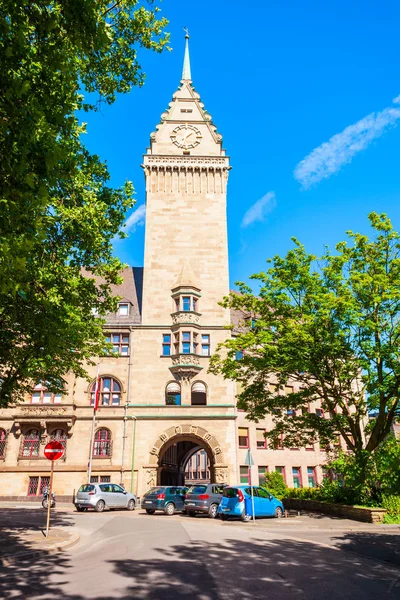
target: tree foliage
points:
(58, 213)
(331, 325)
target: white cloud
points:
(331, 156)
(259, 210)
(138, 217)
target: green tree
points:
(332, 326)
(58, 213)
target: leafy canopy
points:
(331, 325)
(58, 213)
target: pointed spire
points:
(186, 75)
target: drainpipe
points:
(133, 452)
(128, 389)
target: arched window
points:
(199, 394)
(3, 439)
(60, 436)
(173, 394)
(31, 444)
(41, 395)
(110, 392)
(102, 445)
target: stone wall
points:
(367, 515)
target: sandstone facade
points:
(158, 404)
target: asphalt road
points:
(133, 555)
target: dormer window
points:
(123, 310)
(186, 304)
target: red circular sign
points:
(54, 450)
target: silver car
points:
(103, 495)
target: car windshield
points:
(156, 490)
(86, 488)
(197, 489)
(230, 493)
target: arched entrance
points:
(173, 459)
(172, 450)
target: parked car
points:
(203, 498)
(169, 499)
(236, 502)
(103, 495)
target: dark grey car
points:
(204, 498)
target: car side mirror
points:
(124, 492)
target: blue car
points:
(236, 502)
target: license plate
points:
(189, 503)
(226, 509)
(147, 501)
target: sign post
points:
(52, 451)
(250, 462)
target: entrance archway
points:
(174, 457)
(172, 449)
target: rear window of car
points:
(197, 489)
(86, 488)
(230, 493)
(156, 490)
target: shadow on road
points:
(199, 570)
(258, 569)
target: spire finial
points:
(186, 75)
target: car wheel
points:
(131, 504)
(100, 506)
(213, 511)
(150, 511)
(169, 509)
(278, 513)
(245, 518)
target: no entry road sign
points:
(54, 450)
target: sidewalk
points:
(31, 543)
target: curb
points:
(9, 559)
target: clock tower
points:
(186, 172)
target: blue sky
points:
(303, 94)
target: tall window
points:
(296, 472)
(3, 440)
(312, 477)
(31, 444)
(173, 394)
(41, 395)
(186, 304)
(262, 472)
(205, 345)
(186, 345)
(199, 394)
(282, 471)
(166, 344)
(120, 343)
(102, 444)
(244, 474)
(110, 392)
(59, 435)
(261, 440)
(243, 437)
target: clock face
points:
(186, 136)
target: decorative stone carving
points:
(186, 359)
(185, 161)
(221, 475)
(151, 477)
(185, 317)
(193, 430)
(43, 411)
